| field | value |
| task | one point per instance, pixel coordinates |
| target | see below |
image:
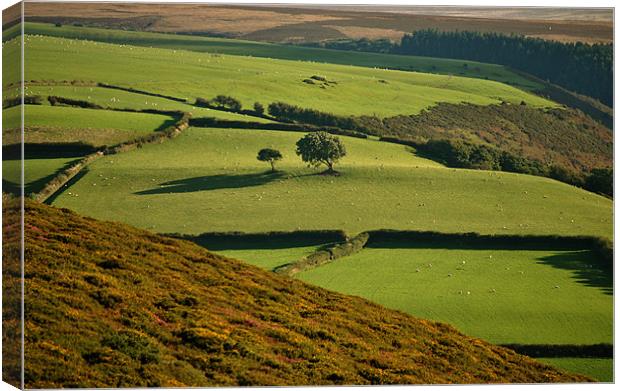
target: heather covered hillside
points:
(129, 308)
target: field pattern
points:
(382, 186)
(286, 52)
(359, 91)
(208, 179)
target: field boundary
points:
(601, 350)
(340, 245)
(325, 255)
(57, 184)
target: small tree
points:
(226, 102)
(259, 108)
(321, 148)
(269, 155)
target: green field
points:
(285, 52)
(37, 172)
(382, 186)
(269, 258)
(601, 369)
(113, 98)
(71, 117)
(185, 74)
(512, 294)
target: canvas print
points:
(198, 195)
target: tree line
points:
(579, 67)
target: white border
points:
(488, 3)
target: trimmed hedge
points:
(63, 177)
(60, 101)
(141, 92)
(602, 350)
(210, 122)
(28, 100)
(56, 184)
(324, 256)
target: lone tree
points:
(269, 155)
(321, 148)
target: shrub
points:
(601, 180)
(259, 109)
(134, 345)
(226, 102)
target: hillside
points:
(208, 179)
(116, 306)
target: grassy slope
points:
(122, 99)
(37, 172)
(117, 306)
(601, 369)
(269, 259)
(261, 49)
(189, 75)
(76, 118)
(382, 186)
(525, 307)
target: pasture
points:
(352, 90)
(118, 99)
(601, 369)
(52, 124)
(240, 47)
(37, 172)
(503, 296)
(382, 186)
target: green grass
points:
(601, 369)
(49, 124)
(268, 259)
(526, 307)
(37, 172)
(286, 52)
(210, 180)
(107, 97)
(187, 74)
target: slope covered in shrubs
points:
(108, 305)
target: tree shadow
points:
(586, 269)
(214, 182)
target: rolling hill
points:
(128, 308)
(208, 179)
